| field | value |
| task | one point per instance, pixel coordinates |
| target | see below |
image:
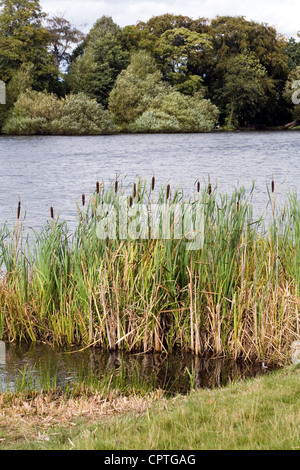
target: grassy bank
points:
(237, 295)
(261, 413)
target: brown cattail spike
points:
(237, 205)
(209, 189)
(198, 186)
(168, 191)
(19, 210)
(52, 212)
(130, 201)
(97, 187)
(153, 183)
(134, 190)
(116, 186)
(83, 199)
(272, 186)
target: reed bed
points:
(236, 296)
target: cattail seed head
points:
(272, 186)
(134, 190)
(153, 183)
(83, 199)
(130, 201)
(168, 191)
(116, 186)
(209, 189)
(51, 212)
(97, 187)
(198, 186)
(19, 210)
(237, 205)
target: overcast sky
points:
(283, 14)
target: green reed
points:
(236, 296)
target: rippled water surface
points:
(55, 171)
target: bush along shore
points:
(235, 295)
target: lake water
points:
(49, 171)
(37, 365)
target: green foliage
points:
(292, 50)
(245, 85)
(176, 112)
(241, 66)
(62, 35)
(94, 72)
(43, 113)
(181, 53)
(292, 91)
(234, 36)
(141, 101)
(136, 87)
(23, 40)
(20, 82)
(80, 115)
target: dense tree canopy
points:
(170, 73)
(94, 71)
(24, 40)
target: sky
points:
(284, 15)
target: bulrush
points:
(153, 183)
(168, 191)
(97, 187)
(19, 210)
(116, 186)
(272, 185)
(134, 190)
(198, 186)
(209, 189)
(236, 296)
(83, 199)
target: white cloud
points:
(284, 15)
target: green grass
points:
(257, 414)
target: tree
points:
(141, 101)
(103, 52)
(181, 54)
(23, 40)
(152, 30)
(62, 36)
(233, 36)
(292, 49)
(244, 88)
(292, 92)
(135, 88)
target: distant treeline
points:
(169, 74)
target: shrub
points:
(25, 125)
(81, 115)
(43, 113)
(176, 112)
(155, 120)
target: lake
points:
(53, 171)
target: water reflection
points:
(174, 373)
